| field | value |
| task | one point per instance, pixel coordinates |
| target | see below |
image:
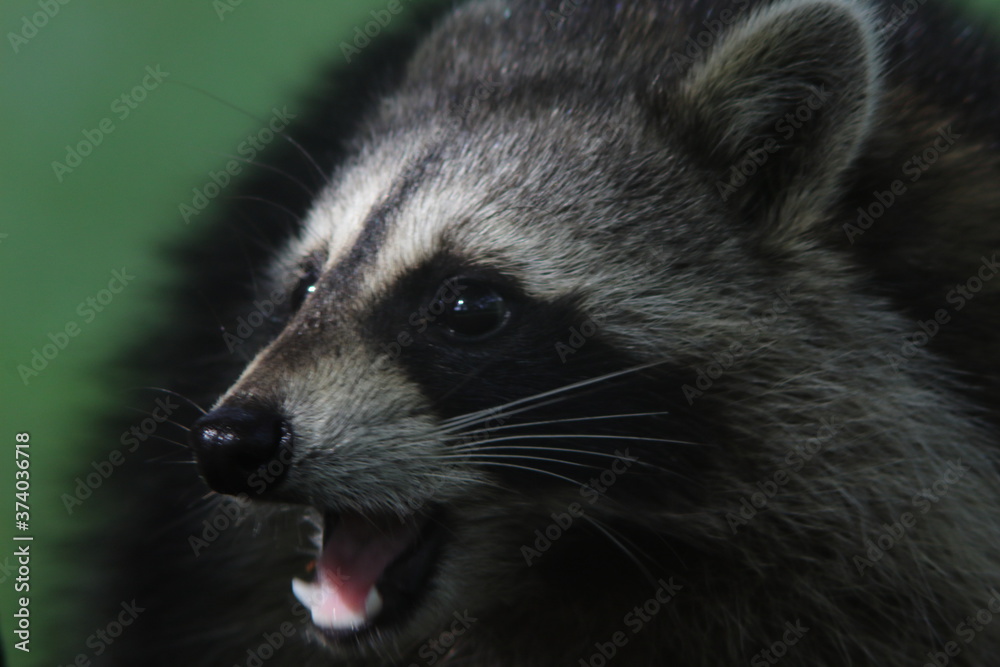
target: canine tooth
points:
(311, 595)
(329, 619)
(305, 592)
(373, 603)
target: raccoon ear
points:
(779, 107)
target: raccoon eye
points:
(305, 287)
(471, 310)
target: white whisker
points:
(569, 419)
(489, 412)
(583, 436)
(607, 533)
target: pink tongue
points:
(355, 556)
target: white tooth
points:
(305, 592)
(312, 594)
(373, 603)
(344, 622)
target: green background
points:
(60, 241)
(117, 209)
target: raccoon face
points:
(489, 326)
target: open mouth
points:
(371, 571)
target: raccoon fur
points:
(638, 333)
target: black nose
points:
(242, 450)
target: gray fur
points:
(590, 172)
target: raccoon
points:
(646, 333)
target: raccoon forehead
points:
(339, 213)
(410, 228)
(554, 218)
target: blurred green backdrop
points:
(62, 235)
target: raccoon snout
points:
(242, 449)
